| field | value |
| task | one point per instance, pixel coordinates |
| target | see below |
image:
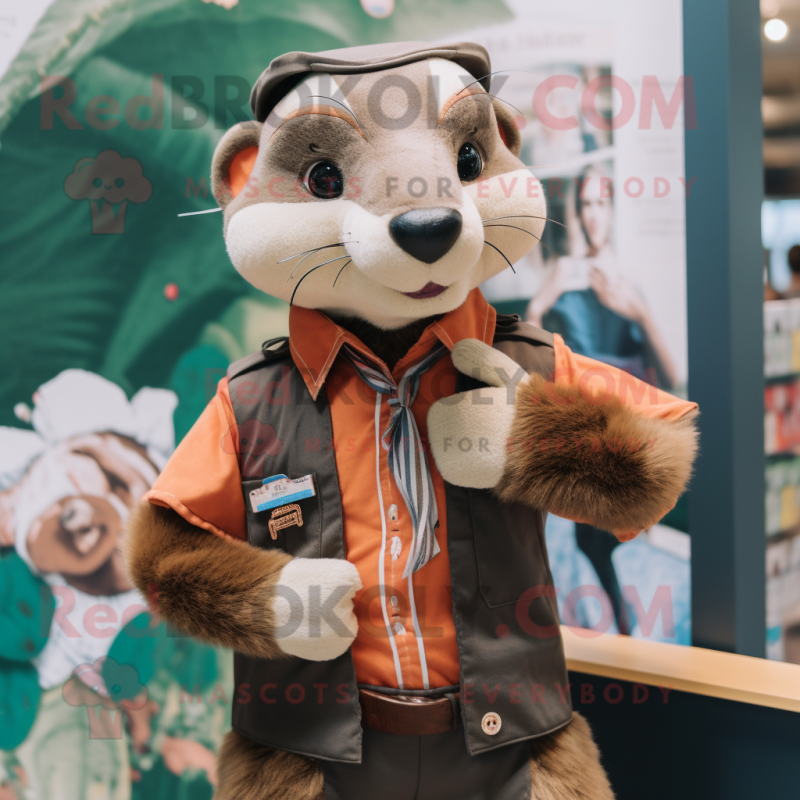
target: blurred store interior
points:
(781, 233)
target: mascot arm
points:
(591, 443)
(188, 554)
(215, 590)
(233, 595)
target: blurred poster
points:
(118, 318)
(599, 97)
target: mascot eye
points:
(469, 162)
(324, 179)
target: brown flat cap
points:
(285, 71)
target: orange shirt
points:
(406, 636)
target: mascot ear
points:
(234, 159)
(507, 125)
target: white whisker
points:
(194, 213)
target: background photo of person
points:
(600, 313)
(597, 310)
(85, 671)
(574, 285)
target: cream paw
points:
(313, 608)
(469, 432)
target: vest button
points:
(491, 723)
(393, 512)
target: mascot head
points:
(379, 182)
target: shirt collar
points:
(315, 339)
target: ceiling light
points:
(776, 30)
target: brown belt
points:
(409, 716)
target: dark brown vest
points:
(506, 618)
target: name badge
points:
(280, 490)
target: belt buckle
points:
(285, 517)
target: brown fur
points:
(566, 765)
(251, 771)
(598, 461)
(216, 590)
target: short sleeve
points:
(594, 378)
(201, 481)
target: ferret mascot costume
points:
(359, 512)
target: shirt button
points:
(491, 723)
(393, 512)
(394, 601)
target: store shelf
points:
(688, 669)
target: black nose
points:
(426, 233)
